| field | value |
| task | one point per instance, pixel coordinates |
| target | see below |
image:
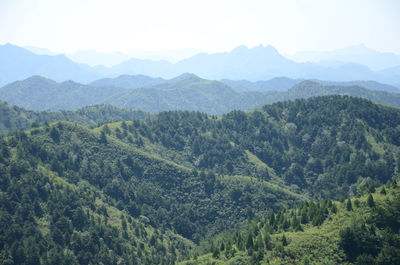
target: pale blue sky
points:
(209, 25)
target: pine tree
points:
(370, 201)
(249, 242)
(222, 248)
(304, 216)
(215, 253)
(267, 241)
(284, 241)
(260, 243)
(349, 206)
(103, 138)
(55, 134)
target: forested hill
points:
(13, 118)
(185, 92)
(320, 146)
(73, 195)
(164, 185)
(363, 230)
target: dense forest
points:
(322, 147)
(246, 187)
(362, 230)
(13, 118)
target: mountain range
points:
(185, 92)
(253, 64)
(261, 160)
(357, 54)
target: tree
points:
(267, 241)
(348, 243)
(55, 134)
(370, 201)
(103, 138)
(284, 241)
(215, 253)
(349, 206)
(249, 242)
(365, 259)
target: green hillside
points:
(104, 182)
(13, 118)
(321, 146)
(156, 191)
(362, 230)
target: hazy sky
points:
(209, 25)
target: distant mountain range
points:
(357, 54)
(17, 63)
(242, 63)
(285, 83)
(39, 93)
(185, 92)
(128, 81)
(109, 59)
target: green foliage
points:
(13, 118)
(144, 192)
(46, 220)
(367, 236)
(322, 146)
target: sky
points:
(207, 25)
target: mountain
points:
(253, 64)
(307, 89)
(185, 92)
(356, 54)
(128, 81)
(40, 51)
(109, 59)
(13, 118)
(371, 85)
(277, 84)
(285, 83)
(94, 58)
(39, 93)
(159, 191)
(18, 63)
(135, 66)
(392, 74)
(173, 55)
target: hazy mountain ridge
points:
(128, 81)
(40, 93)
(357, 54)
(185, 92)
(258, 63)
(17, 63)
